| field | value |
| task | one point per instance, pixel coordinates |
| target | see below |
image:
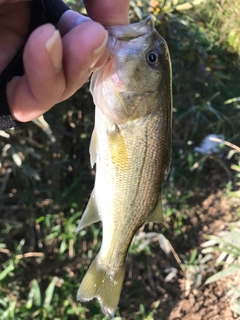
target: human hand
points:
(55, 65)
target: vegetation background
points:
(46, 180)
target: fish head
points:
(138, 57)
(137, 76)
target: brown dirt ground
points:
(213, 301)
(177, 301)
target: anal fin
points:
(157, 214)
(90, 214)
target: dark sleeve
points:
(54, 9)
(43, 11)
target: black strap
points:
(43, 11)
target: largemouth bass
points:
(131, 146)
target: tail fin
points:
(101, 284)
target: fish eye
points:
(152, 57)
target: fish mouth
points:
(131, 31)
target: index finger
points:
(108, 12)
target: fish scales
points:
(131, 146)
(138, 195)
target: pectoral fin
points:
(93, 148)
(118, 149)
(157, 214)
(90, 214)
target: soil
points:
(213, 301)
(180, 298)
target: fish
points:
(131, 146)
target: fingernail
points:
(96, 55)
(54, 49)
